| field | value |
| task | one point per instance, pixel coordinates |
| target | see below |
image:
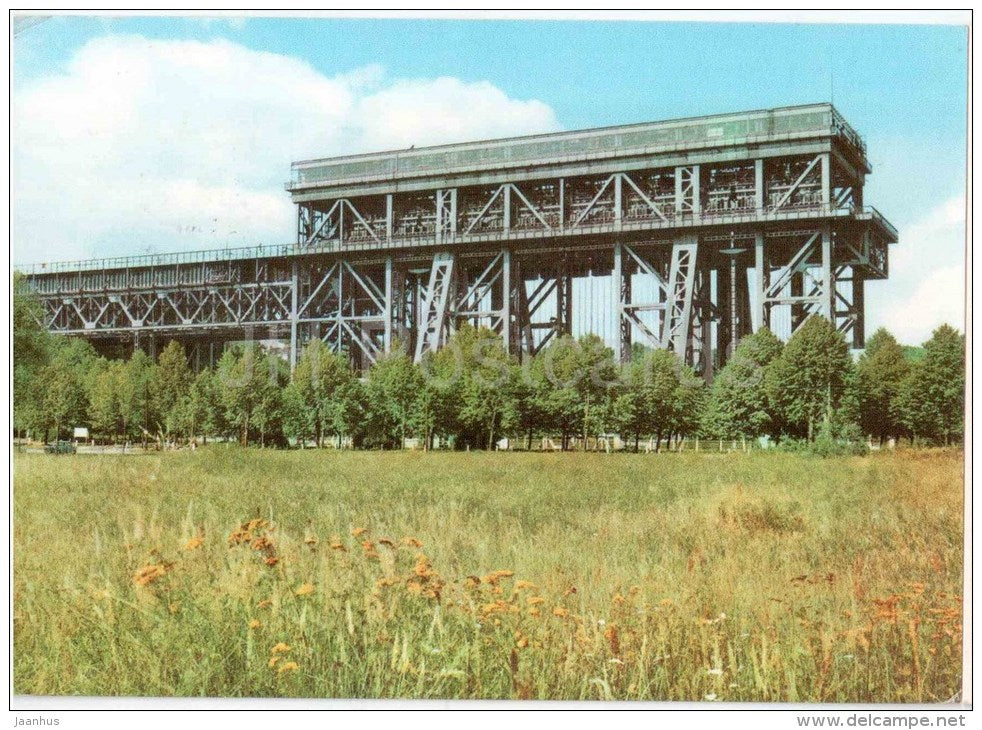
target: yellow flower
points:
(618, 599)
(280, 648)
(305, 589)
(272, 661)
(535, 600)
(359, 531)
(194, 543)
(414, 587)
(288, 667)
(560, 611)
(412, 542)
(521, 585)
(255, 624)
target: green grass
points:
(671, 577)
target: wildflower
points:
(280, 648)
(359, 531)
(715, 672)
(535, 600)
(666, 602)
(262, 543)
(472, 581)
(288, 667)
(711, 696)
(255, 624)
(369, 549)
(272, 661)
(387, 542)
(423, 568)
(310, 540)
(305, 589)
(148, 574)
(265, 603)
(634, 590)
(522, 642)
(521, 585)
(414, 587)
(560, 611)
(534, 611)
(618, 599)
(194, 543)
(411, 542)
(174, 607)
(271, 561)
(336, 544)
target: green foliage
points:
(879, 373)
(807, 380)
(931, 399)
(738, 403)
(391, 392)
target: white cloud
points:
(174, 145)
(926, 287)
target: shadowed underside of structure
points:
(684, 235)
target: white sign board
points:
(80, 432)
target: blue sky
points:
(902, 87)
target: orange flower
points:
(311, 540)
(521, 585)
(336, 543)
(255, 624)
(149, 573)
(194, 543)
(280, 648)
(412, 542)
(387, 542)
(472, 581)
(359, 531)
(618, 599)
(305, 589)
(560, 611)
(265, 603)
(272, 561)
(414, 587)
(535, 600)
(272, 661)
(287, 667)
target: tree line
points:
(472, 393)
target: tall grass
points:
(229, 572)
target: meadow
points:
(726, 577)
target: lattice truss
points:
(653, 197)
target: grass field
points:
(229, 572)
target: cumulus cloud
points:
(172, 145)
(926, 287)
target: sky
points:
(159, 134)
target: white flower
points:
(716, 671)
(711, 696)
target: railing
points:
(706, 218)
(160, 259)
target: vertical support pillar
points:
(859, 305)
(826, 166)
(759, 313)
(617, 291)
(562, 203)
(618, 200)
(679, 191)
(506, 300)
(827, 308)
(294, 304)
(506, 213)
(388, 217)
(438, 215)
(696, 194)
(759, 186)
(388, 313)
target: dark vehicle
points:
(60, 447)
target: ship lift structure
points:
(684, 235)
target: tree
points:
(807, 380)
(202, 409)
(391, 392)
(32, 352)
(135, 399)
(104, 398)
(248, 383)
(738, 404)
(170, 387)
(879, 373)
(648, 403)
(931, 399)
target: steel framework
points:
(703, 229)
